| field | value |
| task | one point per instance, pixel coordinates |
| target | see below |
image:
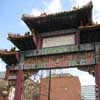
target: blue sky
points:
(12, 10)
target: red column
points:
(1, 96)
(98, 79)
(19, 85)
(17, 56)
(7, 74)
(77, 38)
(37, 40)
(6, 78)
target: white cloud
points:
(96, 8)
(36, 12)
(96, 16)
(52, 7)
(96, 4)
(81, 2)
(2, 66)
(84, 77)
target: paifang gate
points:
(55, 41)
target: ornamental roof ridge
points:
(18, 36)
(89, 5)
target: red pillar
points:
(98, 79)
(1, 98)
(19, 85)
(7, 74)
(6, 78)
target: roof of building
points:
(90, 34)
(22, 42)
(8, 57)
(91, 27)
(62, 20)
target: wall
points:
(62, 88)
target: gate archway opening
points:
(41, 81)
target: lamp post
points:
(49, 88)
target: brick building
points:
(62, 88)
